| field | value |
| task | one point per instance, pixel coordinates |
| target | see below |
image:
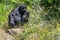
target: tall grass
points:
(38, 27)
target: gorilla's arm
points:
(11, 20)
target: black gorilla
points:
(20, 14)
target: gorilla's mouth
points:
(24, 16)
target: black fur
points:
(20, 14)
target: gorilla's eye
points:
(16, 14)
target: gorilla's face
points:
(25, 16)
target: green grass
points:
(36, 29)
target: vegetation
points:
(44, 21)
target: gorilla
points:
(18, 15)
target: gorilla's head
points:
(24, 13)
(23, 8)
